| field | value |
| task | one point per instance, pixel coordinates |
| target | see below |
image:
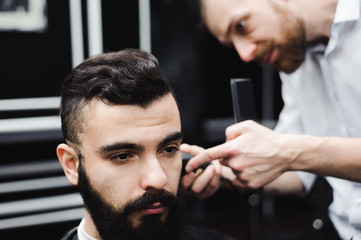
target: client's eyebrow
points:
(128, 145)
(170, 138)
(119, 146)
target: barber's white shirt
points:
(323, 98)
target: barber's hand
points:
(202, 183)
(252, 151)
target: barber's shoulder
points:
(193, 232)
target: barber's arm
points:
(258, 155)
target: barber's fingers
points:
(208, 177)
(220, 151)
(191, 149)
(188, 179)
(229, 149)
(240, 184)
(203, 184)
(236, 162)
(251, 179)
(235, 130)
(213, 185)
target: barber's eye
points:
(241, 26)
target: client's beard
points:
(116, 224)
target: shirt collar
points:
(347, 10)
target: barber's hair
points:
(127, 77)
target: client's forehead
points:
(97, 109)
(105, 121)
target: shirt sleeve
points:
(307, 179)
(290, 122)
(289, 119)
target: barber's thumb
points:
(233, 131)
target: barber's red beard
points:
(289, 56)
(291, 48)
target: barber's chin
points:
(287, 66)
(289, 69)
(289, 63)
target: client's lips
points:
(155, 208)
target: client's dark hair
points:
(127, 77)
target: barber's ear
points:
(69, 161)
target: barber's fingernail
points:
(189, 169)
(189, 177)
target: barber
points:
(316, 47)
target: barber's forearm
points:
(327, 156)
(287, 183)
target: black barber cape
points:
(190, 232)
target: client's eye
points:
(170, 150)
(122, 157)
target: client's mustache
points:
(149, 198)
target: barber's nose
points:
(153, 175)
(246, 50)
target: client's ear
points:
(69, 161)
